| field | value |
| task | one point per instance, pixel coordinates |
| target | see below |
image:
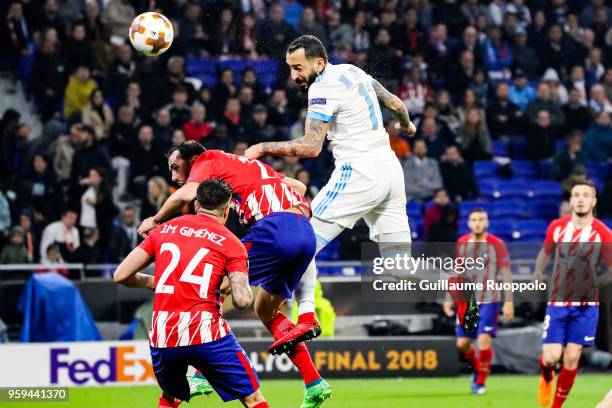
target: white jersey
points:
(344, 96)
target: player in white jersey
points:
(368, 181)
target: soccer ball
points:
(151, 33)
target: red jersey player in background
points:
(579, 242)
(480, 243)
(192, 255)
(280, 241)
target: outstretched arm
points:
(309, 145)
(172, 205)
(396, 106)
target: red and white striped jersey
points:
(192, 254)
(258, 189)
(578, 253)
(495, 257)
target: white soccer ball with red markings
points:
(151, 33)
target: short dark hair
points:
(313, 47)
(477, 210)
(213, 194)
(188, 149)
(584, 183)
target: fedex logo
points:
(120, 366)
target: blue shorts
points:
(223, 363)
(570, 324)
(487, 321)
(281, 246)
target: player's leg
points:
(227, 366)
(467, 352)
(255, 400)
(487, 330)
(170, 370)
(554, 336)
(581, 329)
(325, 232)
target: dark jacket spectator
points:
(48, 79)
(434, 212)
(541, 138)
(598, 143)
(39, 189)
(421, 174)
(146, 158)
(567, 160)
(277, 34)
(458, 176)
(544, 101)
(382, 62)
(122, 135)
(577, 115)
(124, 235)
(258, 129)
(78, 49)
(504, 117)
(524, 56)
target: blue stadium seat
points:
(608, 222)
(416, 229)
(544, 208)
(466, 206)
(485, 168)
(517, 148)
(545, 189)
(560, 144)
(413, 210)
(544, 169)
(508, 208)
(530, 230)
(488, 188)
(331, 252)
(512, 189)
(500, 148)
(502, 228)
(523, 168)
(596, 170)
(599, 183)
(522, 250)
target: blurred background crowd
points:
(493, 86)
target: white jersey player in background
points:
(368, 181)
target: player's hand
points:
(448, 309)
(225, 288)
(254, 152)
(408, 131)
(151, 283)
(147, 225)
(538, 276)
(508, 311)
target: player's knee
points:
(550, 358)
(463, 344)
(571, 357)
(256, 400)
(484, 341)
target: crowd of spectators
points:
(471, 73)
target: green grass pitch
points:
(502, 391)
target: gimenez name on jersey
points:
(193, 233)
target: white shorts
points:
(373, 191)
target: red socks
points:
(164, 403)
(547, 372)
(300, 357)
(470, 358)
(262, 405)
(564, 385)
(484, 364)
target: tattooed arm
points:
(309, 145)
(242, 296)
(396, 106)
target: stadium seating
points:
(545, 189)
(207, 70)
(544, 208)
(485, 168)
(413, 210)
(524, 169)
(597, 170)
(500, 148)
(508, 208)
